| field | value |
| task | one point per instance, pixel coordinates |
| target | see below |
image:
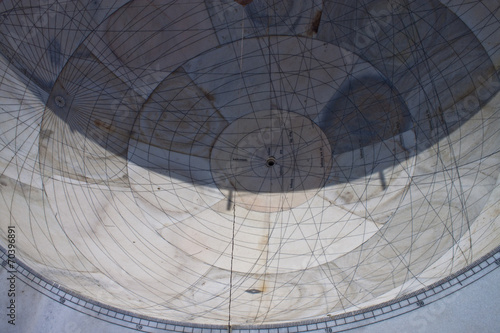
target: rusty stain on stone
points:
(208, 95)
(314, 27)
(243, 2)
(103, 125)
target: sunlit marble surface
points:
(120, 126)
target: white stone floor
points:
(140, 170)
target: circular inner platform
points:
(271, 160)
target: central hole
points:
(271, 161)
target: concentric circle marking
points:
(60, 101)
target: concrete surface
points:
(470, 309)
